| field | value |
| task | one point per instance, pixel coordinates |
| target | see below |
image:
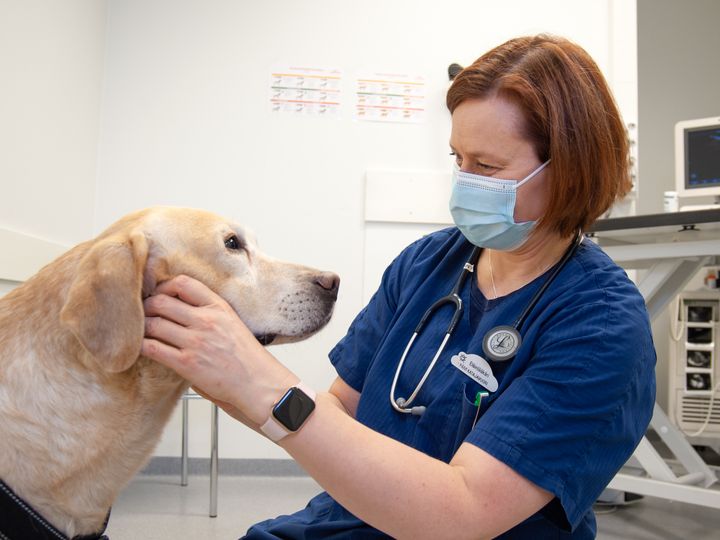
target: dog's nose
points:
(329, 281)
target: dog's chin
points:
(276, 336)
(276, 339)
(266, 339)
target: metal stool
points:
(186, 397)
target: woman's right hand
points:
(192, 330)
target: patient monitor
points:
(697, 161)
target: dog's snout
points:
(329, 282)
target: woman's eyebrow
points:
(484, 157)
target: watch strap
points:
(273, 429)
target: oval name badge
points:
(477, 368)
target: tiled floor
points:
(158, 508)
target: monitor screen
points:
(697, 161)
(702, 157)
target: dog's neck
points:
(68, 451)
(106, 439)
(20, 520)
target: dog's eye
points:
(233, 243)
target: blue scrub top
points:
(568, 411)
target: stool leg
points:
(214, 461)
(184, 455)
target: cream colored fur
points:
(80, 410)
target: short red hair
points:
(570, 117)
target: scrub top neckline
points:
(484, 304)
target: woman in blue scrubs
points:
(509, 448)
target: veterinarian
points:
(509, 422)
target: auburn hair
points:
(570, 117)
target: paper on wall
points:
(390, 97)
(305, 91)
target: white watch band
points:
(274, 429)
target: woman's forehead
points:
(493, 127)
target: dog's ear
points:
(104, 307)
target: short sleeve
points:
(574, 416)
(354, 353)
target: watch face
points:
(293, 409)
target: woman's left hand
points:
(193, 331)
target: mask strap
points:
(533, 174)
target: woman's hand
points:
(193, 331)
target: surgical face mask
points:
(483, 208)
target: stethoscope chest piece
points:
(501, 343)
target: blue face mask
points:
(483, 208)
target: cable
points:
(674, 334)
(709, 414)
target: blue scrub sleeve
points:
(574, 417)
(354, 353)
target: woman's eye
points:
(479, 166)
(486, 167)
(233, 243)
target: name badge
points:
(477, 368)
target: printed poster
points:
(307, 91)
(390, 97)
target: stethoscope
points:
(499, 343)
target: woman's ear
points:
(104, 307)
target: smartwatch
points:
(290, 413)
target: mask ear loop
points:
(533, 174)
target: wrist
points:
(289, 414)
(261, 389)
(269, 397)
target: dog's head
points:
(278, 301)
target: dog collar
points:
(20, 521)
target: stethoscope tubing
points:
(536, 297)
(403, 405)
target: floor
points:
(158, 508)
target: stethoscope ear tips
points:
(417, 411)
(400, 402)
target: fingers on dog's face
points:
(188, 289)
(170, 306)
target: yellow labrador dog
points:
(80, 410)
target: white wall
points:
(51, 59)
(7, 285)
(186, 122)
